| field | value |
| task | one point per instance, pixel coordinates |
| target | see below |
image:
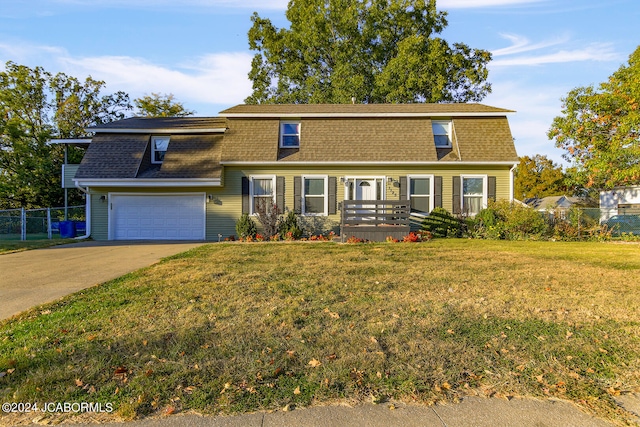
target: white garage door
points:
(157, 217)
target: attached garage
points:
(157, 216)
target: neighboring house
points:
(556, 204)
(620, 201)
(192, 178)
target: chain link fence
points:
(586, 222)
(37, 224)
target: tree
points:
(538, 176)
(157, 105)
(36, 106)
(376, 51)
(600, 129)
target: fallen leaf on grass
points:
(314, 363)
(79, 382)
(297, 390)
(613, 391)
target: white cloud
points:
(592, 52)
(521, 44)
(244, 4)
(509, 56)
(22, 52)
(219, 78)
(204, 84)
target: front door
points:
(366, 189)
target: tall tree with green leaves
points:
(36, 106)
(376, 51)
(599, 129)
(538, 176)
(158, 105)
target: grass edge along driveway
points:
(230, 328)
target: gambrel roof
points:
(199, 147)
(368, 133)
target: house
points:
(192, 178)
(557, 204)
(620, 201)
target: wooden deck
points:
(375, 220)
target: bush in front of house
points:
(440, 223)
(289, 226)
(246, 227)
(509, 221)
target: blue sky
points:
(197, 49)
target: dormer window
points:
(159, 146)
(442, 133)
(290, 134)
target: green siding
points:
(225, 207)
(68, 173)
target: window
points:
(262, 192)
(474, 194)
(289, 134)
(420, 193)
(442, 133)
(159, 146)
(314, 197)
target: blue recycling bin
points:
(67, 229)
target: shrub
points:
(268, 215)
(290, 226)
(245, 227)
(508, 220)
(440, 223)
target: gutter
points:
(511, 181)
(87, 212)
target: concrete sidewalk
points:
(38, 276)
(471, 412)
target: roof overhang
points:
(70, 141)
(149, 183)
(372, 163)
(273, 115)
(172, 131)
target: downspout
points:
(511, 181)
(87, 212)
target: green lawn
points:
(241, 327)
(8, 246)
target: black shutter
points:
(403, 188)
(297, 194)
(333, 190)
(245, 195)
(437, 191)
(491, 188)
(457, 206)
(280, 193)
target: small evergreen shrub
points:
(290, 226)
(440, 223)
(246, 227)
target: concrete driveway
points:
(35, 277)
